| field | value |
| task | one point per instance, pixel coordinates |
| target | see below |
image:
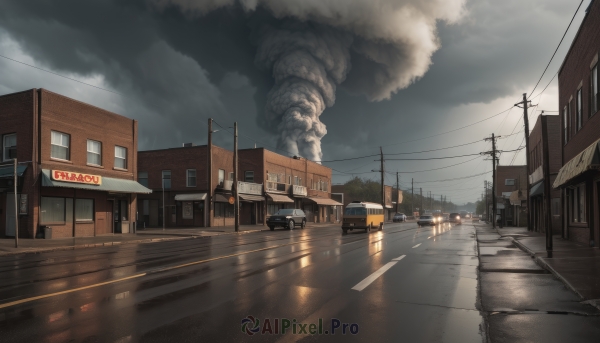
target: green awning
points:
(537, 189)
(109, 184)
(9, 170)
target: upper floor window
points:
(566, 125)
(94, 152)
(221, 177)
(595, 94)
(191, 178)
(120, 157)
(9, 147)
(166, 179)
(60, 145)
(143, 178)
(509, 182)
(249, 176)
(579, 110)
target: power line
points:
(57, 74)
(458, 178)
(428, 159)
(420, 152)
(559, 43)
(420, 171)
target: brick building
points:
(511, 194)
(578, 103)
(267, 182)
(77, 167)
(537, 163)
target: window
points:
(289, 179)
(9, 144)
(249, 176)
(143, 178)
(59, 145)
(570, 109)
(566, 125)
(231, 176)
(191, 177)
(296, 181)
(56, 210)
(595, 94)
(509, 182)
(577, 204)
(84, 210)
(120, 157)
(166, 179)
(221, 177)
(579, 110)
(94, 152)
(223, 210)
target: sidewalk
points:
(577, 265)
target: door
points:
(109, 216)
(10, 214)
(154, 213)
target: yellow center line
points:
(26, 300)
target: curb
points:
(542, 263)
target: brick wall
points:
(510, 172)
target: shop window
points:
(579, 110)
(84, 210)
(273, 208)
(56, 210)
(191, 177)
(143, 178)
(166, 179)
(59, 145)
(223, 210)
(594, 91)
(9, 147)
(249, 176)
(577, 204)
(120, 157)
(94, 152)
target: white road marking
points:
(429, 237)
(416, 246)
(366, 282)
(398, 258)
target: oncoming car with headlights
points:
(363, 215)
(455, 218)
(426, 219)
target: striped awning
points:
(280, 198)
(251, 198)
(586, 160)
(324, 201)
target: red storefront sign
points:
(65, 176)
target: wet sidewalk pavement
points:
(520, 300)
(576, 264)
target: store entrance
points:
(10, 215)
(121, 216)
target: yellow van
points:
(363, 215)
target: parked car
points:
(455, 218)
(426, 220)
(399, 217)
(287, 218)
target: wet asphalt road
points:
(202, 289)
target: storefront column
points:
(589, 203)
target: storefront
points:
(275, 202)
(77, 205)
(320, 210)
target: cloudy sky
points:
(328, 79)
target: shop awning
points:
(537, 189)
(516, 197)
(324, 201)
(251, 197)
(280, 198)
(219, 197)
(389, 206)
(584, 161)
(9, 170)
(109, 184)
(190, 197)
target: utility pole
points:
(236, 209)
(162, 176)
(441, 203)
(209, 173)
(382, 180)
(422, 209)
(16, 205)
(485, 212)
(397, 191)
(412, 201)
(547, 188)
(526, 104)
(493, 153)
